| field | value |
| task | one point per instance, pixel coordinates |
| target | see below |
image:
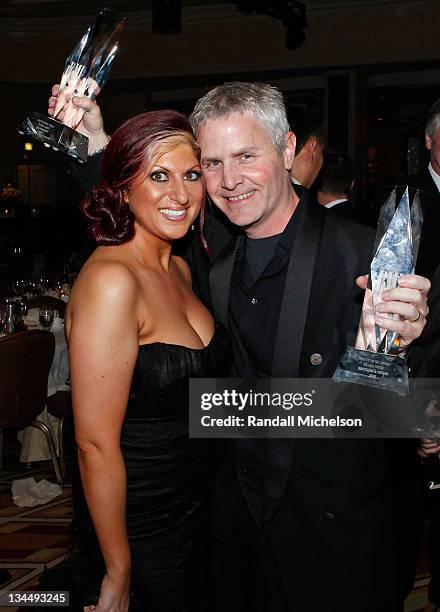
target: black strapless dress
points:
(169, 479)
(169, 475)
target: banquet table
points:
(34, 444)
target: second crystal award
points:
(374, 360)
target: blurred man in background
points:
(335, 183)
(309, 144)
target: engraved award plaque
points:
(85, 73)
(374, 360)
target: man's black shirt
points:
(255, 305)
(254, 309)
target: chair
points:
(40, 301)
(25, 361)
(60, 405)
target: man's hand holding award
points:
(378, 356)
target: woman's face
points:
(167, 198)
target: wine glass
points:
(19, 286)
(63, 290)
(34, 288)
(46, 317)
(24, 307)
(42, 284)
(13, 315)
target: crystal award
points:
(374, 359)
(85, 73)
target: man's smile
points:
(241, 197)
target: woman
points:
(136, 334)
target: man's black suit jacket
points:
(325, 506)
(345, 209)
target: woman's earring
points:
(127, 200)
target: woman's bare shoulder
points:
(104, 277)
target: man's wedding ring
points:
(418, 317)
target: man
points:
(292, 511)
(413, 501)
(309, 144)
(298, 525)
(427, 182)
(335, 183)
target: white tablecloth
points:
(34, 445)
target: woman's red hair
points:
(110, 221)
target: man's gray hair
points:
(263, 101)
(433, 121)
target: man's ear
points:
(428, 142)
(312, 146)
(289, 150)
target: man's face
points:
(433, 145)
(245, 175)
